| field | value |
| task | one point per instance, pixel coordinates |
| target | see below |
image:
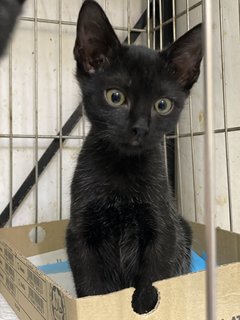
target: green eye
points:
(163, 106)
(115, 97)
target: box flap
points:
(18, 237)
(228, 243)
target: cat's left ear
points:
(185, 56)
(96, 42)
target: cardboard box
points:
(35, 296)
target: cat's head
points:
(132, 94)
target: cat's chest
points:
(119, 222)
(104, 172)
(119, 231)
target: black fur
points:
(9, 10)
(124, 230)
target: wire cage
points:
(46, 124)
(42, 122)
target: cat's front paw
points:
(144, 300)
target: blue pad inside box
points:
(197, 264)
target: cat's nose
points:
(140, 129)
(140, 132)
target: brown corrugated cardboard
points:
(35, 296)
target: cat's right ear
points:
(96, 42)
(185, 55)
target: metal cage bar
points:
(56, 136)
(154, 24)
(191, 130)
(128, 22)
(209, 178)
(160, 25)
(160, 28)
(35, 103)
(60, 106)
(148, 24)
(10, 136)
(225, 116)
(178, 149)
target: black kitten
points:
(124, 230)
(9, 10)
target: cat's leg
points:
(162, 258)
(183, 257)
(153, 267)
(93, 269)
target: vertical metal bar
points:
(191, 131)
(225, 116)
(209, 163)
(83, 123)
(11, 137)
(179, 174)
(36, 109)
(174, 19)
(154, 24)
(187, 14)
(60, 106)
(148, 24)
(239, 18)
(165, 157)
(83, 119)
(160, 26)
(128, 22)
(193, 159)
(161, 47)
